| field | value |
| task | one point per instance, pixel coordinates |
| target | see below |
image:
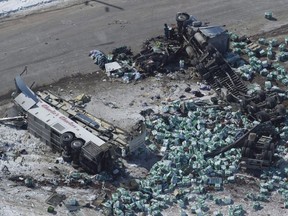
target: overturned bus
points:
(83, 139)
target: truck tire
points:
(272, 147)
(67, 158)
(271, 102)
(243, 151)
(263, 116)
(268, 156)
(76, 144)
(210, 49)
(250, 144)
(281, 110)
(261, 96)
(190, 52)
(243, 105)
(75, 165)
(66, 138)
(247, 152)
(252, 109)
(201, 69)
(182, 17)
(230, 98)
(218, 58)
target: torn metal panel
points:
(25, 102)
(22, 87)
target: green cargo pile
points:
(266, 60)
(183, 133)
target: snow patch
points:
(10, 7)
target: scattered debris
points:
(55, 199)
(269, 15)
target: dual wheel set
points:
(72, 148)
(249, 150)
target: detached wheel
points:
(66, 138)
(76, 144)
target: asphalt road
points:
(55, 44)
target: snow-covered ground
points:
(15, 7)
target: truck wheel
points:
(218, 58)
(201, 69)
(269, 156)
(243, 105)
(247, 153)
(75, 165)
(76, 144)
(243, 151)
(210, 49)
(281, 110)
(261, 96)
(245, 143)
(252, 109)
(206, 76)
(66, 158)
(250, 143)
(181, 17)
(230, 98)
(272, 147)
(66, 138)
(263, 116)
(271, 102)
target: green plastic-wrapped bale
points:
(262, 41)
(270, 55)
(282, 47)
(273, 42)
(257, 206)
(264, 72)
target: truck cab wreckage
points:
(83, 139)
